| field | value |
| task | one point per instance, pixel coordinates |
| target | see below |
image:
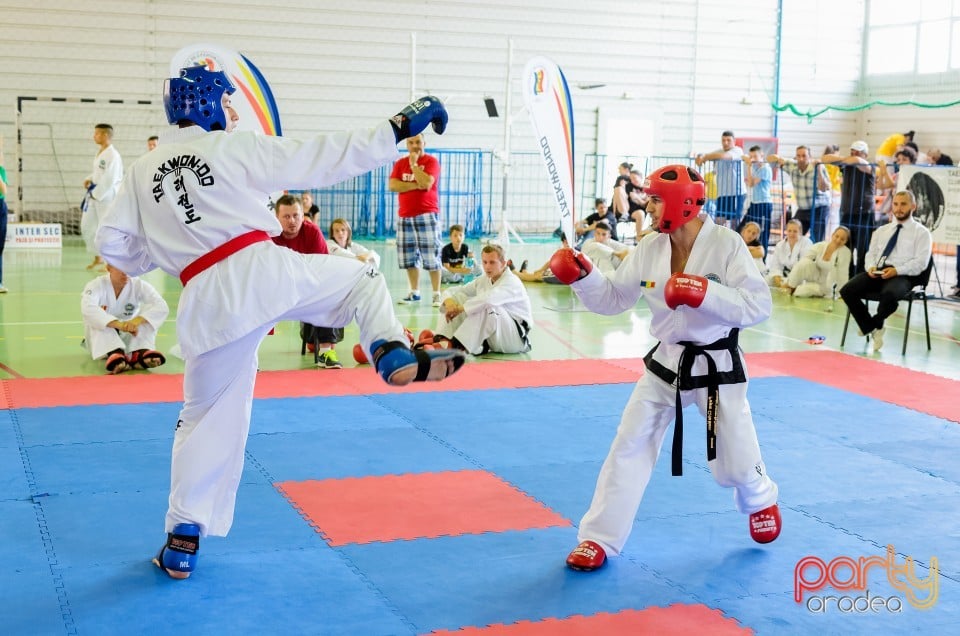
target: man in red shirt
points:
(414, 179)
(303, 236)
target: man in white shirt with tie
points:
(899, 251)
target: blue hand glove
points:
(413, 119)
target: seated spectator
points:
(457, 259)
(937, 158)
(922, 157)
(540, 275)
(619, 203)
(121, 316)
(636, 199)
(344, 245)
(750, 232)
(899, 251)
(310, 209)
(823, 269)
(492, 313)
(605, 253)
(301, 235)
(584, 227)
(787, 253)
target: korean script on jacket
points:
(184, 199)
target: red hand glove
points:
(685, 289)
(569, 266)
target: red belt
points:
(210, 259)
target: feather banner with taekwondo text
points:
(547, 99)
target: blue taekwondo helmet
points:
(195, 96)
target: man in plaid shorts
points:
(414, 179)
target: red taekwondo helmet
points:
(682, 191)
(195, 96)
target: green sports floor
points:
(41, 330)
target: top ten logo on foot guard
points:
(846, 574)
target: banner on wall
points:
(937, 189)
(547, 99)
(34, 235)
(253, 99)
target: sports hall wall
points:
(693, 67)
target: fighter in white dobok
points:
(491, 313)
(101, 187)
(121, 315)
(701, 287)
(196, 207)
(604, 252)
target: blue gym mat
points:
(84, 493)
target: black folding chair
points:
(917, 292)
(310, 335)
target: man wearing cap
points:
(857, 199)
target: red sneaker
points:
(587, 557)
(765, 524)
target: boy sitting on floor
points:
(121, 315)
(455, 258)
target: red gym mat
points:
(146, 387)
(923, 392)
(677, 620)
(915, 390)
(422, 505)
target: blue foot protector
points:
(178, 557)
(398, 365)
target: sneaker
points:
(878, 338)
(3, 290)
(436, 299)
(328, 360)
(412, 297)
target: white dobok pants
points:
(626, 471)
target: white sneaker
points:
(878, 338)
(412, 297)
(3, 290)
(436, 299)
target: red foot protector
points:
(414, 506)
(765, 524)
(677, 620)
(587, 557)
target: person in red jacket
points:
(302, 235)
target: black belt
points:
(685, 381)
(523, 328)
